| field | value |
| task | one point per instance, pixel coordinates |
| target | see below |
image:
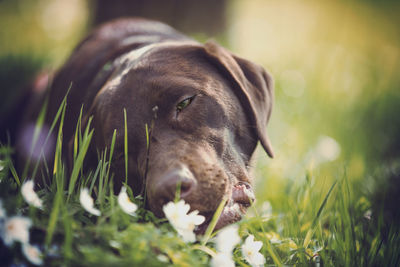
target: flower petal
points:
(227, 239)
(3, 212)
(87, 202)
(125, 203)
(187, 235)
(257, 259)
(257, 245)
(196, 219)
(222, 260)
(30, 195)
(32, 253)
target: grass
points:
(309, 227)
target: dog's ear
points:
(252, 85)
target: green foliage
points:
(309, 227)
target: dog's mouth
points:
(242, 196)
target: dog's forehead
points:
(157, 68)
(139, 57)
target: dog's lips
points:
(229, 215)
(242, 197)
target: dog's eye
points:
(183, 104)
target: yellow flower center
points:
(10, 227)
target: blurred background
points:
(335, 65)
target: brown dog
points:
(209, 109)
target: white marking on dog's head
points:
(125, 62)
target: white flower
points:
(32, 253)
(227, 239)
(368, 214)
(115, 244)
(30, 196)
(3, 213)
(16, 229)
(183, 223)
(1, 165)
(162, 258)
(125, 203)
(250, 251)
(176, 213)
(87, 202)
(222, 260)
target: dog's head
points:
(204, 110)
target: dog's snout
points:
(177, 181)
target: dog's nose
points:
(179, 180)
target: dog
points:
(204, 107)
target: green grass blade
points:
(79, 163)
(102, 178)
(323, 204)
(147, 136)
(58, 153)
(126, 146)
(38, 128)
(53, 219)
(78, 131)
(80, 158)
(96, 174)
(58, 173)
(60, 111)
(14, 173)
(113, 217)
(39, 124)
(214, 221)
(311, 231)
(68, 234)
(57, 206)
(275, 257)
(178, 191)
(111, 151)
